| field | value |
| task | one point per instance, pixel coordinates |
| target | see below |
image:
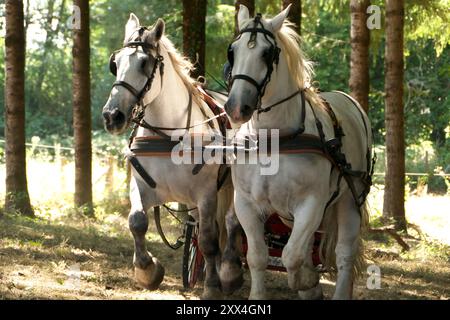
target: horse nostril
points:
(246, 109)
(118, 117)
(106, 116)
(113, 115)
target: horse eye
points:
(144, 62)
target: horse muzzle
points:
(239, 112)
(114, 120)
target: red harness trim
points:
(224, 122)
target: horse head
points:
(135, 67)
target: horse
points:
(270, 88)
(154, 90)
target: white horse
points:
(305, 182)
(152, 75)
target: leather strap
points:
(127, 86)
(258, 30)
(138, 167)
(157, 216)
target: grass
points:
(38, 258)
(61, 254)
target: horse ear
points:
(243, 15)
(158, 30)
(131, 26)
(278, 20)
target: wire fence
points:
(58, 147)
(48, 179)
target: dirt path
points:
(39, 259)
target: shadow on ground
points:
(38, 256)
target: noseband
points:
(139, 95)
(271, 57)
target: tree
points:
(359, 58)
(250, 4)
(295, 13)
(17, 197)
(82, 109)
(194, 20)
(394, 191)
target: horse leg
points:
(257, 254)
(231, 273)
(209, 246)
(297, 257)
(148, 271)
(348, 220)
(315, 293)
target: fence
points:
(55, 178)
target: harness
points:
(299, 142)
(160, 145)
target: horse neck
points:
(170, 108)
(286, 116)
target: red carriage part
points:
(277, 235)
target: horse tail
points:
(329, 241)
(224, 201)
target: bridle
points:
(271, 57)
(138, 111)
(139, 108)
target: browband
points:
(258, 30)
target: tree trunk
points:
(82, 110)
(194, 16)
(250, 4)
(394, 191)
(295, 13)
(359, 59)
(17, 197)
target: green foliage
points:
(2, 154)
(220, 21)
(105, 144)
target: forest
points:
(325, 32)
(72, 217)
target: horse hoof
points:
(229, 287)
(151, 277)
(211, 293)
(303, 279)
(314, 293)
(231, 278)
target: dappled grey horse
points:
(153, 89)
(315, 184)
